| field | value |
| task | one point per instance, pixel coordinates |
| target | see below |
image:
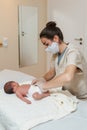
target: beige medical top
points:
(72, 56)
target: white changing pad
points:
(17, 115)
(8, 75)
(74, 121)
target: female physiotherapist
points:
(67, 63)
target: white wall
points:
(71, 17)
(9, 57)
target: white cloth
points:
(17, 115)
(11, 75)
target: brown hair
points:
(8, 87)
(51, 30)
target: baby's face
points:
(15, 85)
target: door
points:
(28, 35)
(71, 17)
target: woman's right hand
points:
(38, 81)
(34, 81)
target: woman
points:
(67, 64)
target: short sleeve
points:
(74, 57)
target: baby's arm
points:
(23, 98)
(38, 96)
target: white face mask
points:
(53, 48)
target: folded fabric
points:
(17, 115)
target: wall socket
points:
(5, 42)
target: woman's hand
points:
(38, 81)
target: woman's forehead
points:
(44, 40)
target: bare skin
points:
(21, 92)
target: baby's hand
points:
(28, 102)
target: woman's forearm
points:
(49, 75)
(62, 79)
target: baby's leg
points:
(38, 96)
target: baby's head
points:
(10, 87)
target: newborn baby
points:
(22, 91)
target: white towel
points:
(17, 115)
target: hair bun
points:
(51, 24)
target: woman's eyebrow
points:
(46, 44)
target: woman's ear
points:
(56, 38)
